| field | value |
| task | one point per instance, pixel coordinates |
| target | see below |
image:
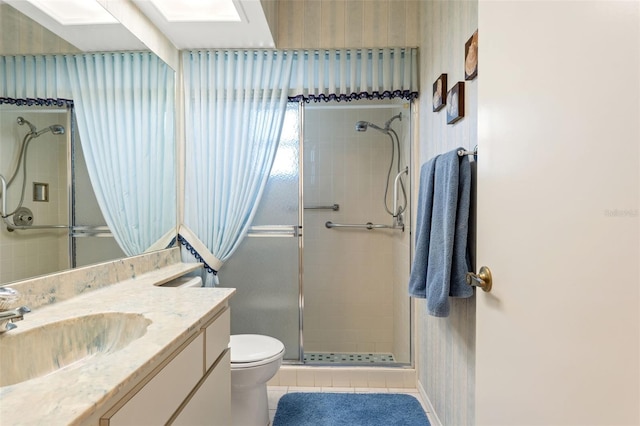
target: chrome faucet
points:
(9, 316)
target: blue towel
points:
(418, 278)
(441, 258)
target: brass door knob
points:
(482, 279)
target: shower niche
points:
(333, 294)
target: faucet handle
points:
(20, 314)
(23, 310)
(9, 326)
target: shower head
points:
(362, 126)
(56, 129)
(22, 121)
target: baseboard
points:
(365, 377)
(431, 412)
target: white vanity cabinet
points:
(191, 387)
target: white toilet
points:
(255, 359)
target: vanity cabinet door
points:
(211, 403)
(216, 338)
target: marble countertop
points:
(79, 394)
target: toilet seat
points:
(252, 350)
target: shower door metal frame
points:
(301, 224)
(411, 162)
(298, 231)
(295, 231)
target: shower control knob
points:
(23, 217)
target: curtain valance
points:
(348, 74)
(34, 80)
(330, 74)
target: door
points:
(558, 196)
(265, 269)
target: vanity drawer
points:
(216, 337)
(156, 402)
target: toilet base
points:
(250, 406)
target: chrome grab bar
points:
(396, 215)
(101, 230)
(367, 225)
(74, 229)
(335, 207)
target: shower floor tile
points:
(348, 358)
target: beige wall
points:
(21, 35)
(446, 346)
(339, 24)
(24, 254)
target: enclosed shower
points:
(50, 215)
(326, 264)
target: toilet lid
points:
(254, 347)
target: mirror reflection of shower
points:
(395, 210)
(32, 134)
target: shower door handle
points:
(275, 231)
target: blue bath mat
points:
(349, 409)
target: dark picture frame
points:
(455, 103)
(471, 57)
(439, 92)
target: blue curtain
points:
(125, 106)
(234, 108)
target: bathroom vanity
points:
(109, 345)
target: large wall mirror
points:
(43, 159)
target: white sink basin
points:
(65, 344)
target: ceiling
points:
(252, 29)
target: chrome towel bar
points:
(463, 152)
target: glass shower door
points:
(91, 239)
(265, 269)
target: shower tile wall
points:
(351, 277)
(29, 253)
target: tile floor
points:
(276, 392)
